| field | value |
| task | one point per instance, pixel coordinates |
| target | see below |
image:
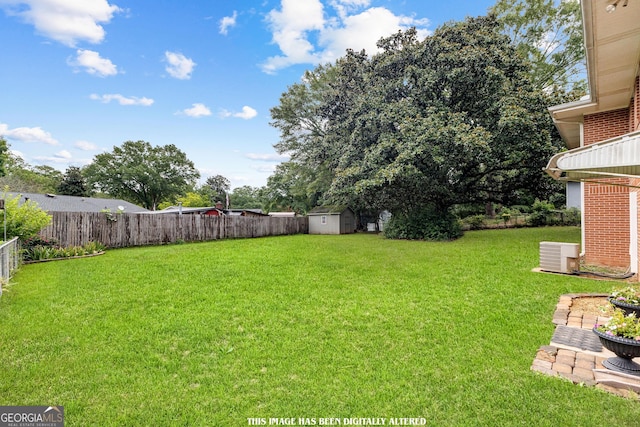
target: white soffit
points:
(618, 157)
(612, 47)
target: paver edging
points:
(573, 364)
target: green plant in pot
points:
(621, 335)
(627, 299)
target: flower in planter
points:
(628, 295)
(621, 325)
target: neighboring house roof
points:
(244, 212)
(282, 214)
(172, 210)
(58, 203)
(329, 210)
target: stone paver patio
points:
(575, 352)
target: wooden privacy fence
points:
(128, 229)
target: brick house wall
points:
(607, 207)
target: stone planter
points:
(625, 350)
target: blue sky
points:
(78, 77)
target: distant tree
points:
(4, 154)
(548, 33)
(142, 174)
(73, 183)
(219, 186)
(191, 199)
(295, 187)
(246, 197)
(23, 177)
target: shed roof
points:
(59, 203)
(329, 209)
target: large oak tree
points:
(423, 125)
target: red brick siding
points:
(606, 224)
(606, 207)
(601, 126)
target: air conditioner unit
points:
(559, 257)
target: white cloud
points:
(62, 157)
(64, 154)
(268, 157)
(197, 110)
(122, 100)
(85, 146)
(93, 63)
(247, 113)
(179, 66)
(67, 22)
(24, 134)
(296, 27)
(228, 22)
(362, 31)
(290, 27)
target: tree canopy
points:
(217, 188)
(423, 125)
(142, 173)
(246, 197)
(549, 34)
(73, 183)
(4, 155)
(23, 177)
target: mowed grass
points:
(298, 326)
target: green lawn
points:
(298, 326)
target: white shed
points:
(332, 220)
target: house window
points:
(323, 220)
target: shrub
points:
(541, 214)
(571, 216)
(38, 241)
(521, 208)
(465, 211)
(24, 220)
(475, 222)
(43, 252)
(36, 253)
(94, 247)
(424, 225)
(505, 214)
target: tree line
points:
(153, 177)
